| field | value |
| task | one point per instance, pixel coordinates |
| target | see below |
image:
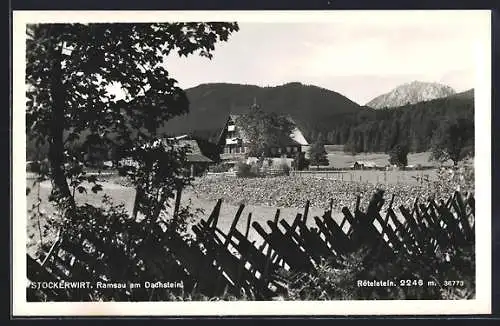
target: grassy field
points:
(125, 195)
(343, 160)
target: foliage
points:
(70, 68)
(128, 250)
(461, 177)
(220, 167)
(379, 130)
(338, 280)
(244, 170)
(158, 174)
(317, 154)
(300, 162)
(453, 140)
(398, 155)
(285, 168)
(329, 282)
(263, 130)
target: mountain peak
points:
(411, 93)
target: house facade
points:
(235, 146)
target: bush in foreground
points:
(427, 278)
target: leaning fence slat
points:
(400, 231)
(472, 203)
(452, 226)
(233, 224)
(413, 230)
(289, 250)
(306, 211)
(463, 216)
(387, 230)
(249, 220)
(215, 213)
(441, 235)
(318, 248)
(53, 248)
(313, 250)
(348, 216)
(341, 241)
(285, 250)
(327, 234)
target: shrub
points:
(244, 170)
(254, 170)
(220, 167)
(285, 168)
(33, 167)
(338, 281)
(300, 162)
(398, 156)
(128, 250)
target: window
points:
(237, 149)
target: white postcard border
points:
(480, 305)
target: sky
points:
(358, 55)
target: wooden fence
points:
(228, 262)
(375, 176)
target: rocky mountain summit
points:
(411, 93)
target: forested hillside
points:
(312, 107)
(413, 125)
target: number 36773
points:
(454, 283)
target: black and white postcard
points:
(251, 163)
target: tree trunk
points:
(141, 190)
(56, 141)
(137, 199)
(176, 207)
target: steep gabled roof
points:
(287, 141)
(194, 154)
(198, 158)
(295, 138)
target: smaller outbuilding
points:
(364, 165)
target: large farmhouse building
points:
(235, 145)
